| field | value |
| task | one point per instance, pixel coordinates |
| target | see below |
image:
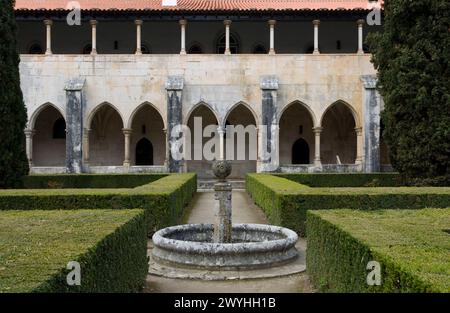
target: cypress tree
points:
(412, 56)
(13, 116)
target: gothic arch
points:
(311, 112)
(201, 103)
(36, 113)
(348, 106)
(139, 107)
(244, 104)
(97, 108)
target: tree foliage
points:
(13, 117)
(412, 56)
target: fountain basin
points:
(253, 246)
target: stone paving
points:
(244, 211)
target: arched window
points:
(259, 49)
(300, 152)
(59, 129)
(87, 49)
(195, 49)
(35, 48)
(234, 44)
(144, 152)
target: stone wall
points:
(127, 81)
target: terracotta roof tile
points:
(197, 5)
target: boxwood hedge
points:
(36, 246)
(346, 179)
(89, 180)
(411, 246)
(285, 202)
(163, 199)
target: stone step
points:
(208, 184)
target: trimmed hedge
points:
(163, 200)
(346, 179)
(89, 181)
(110, 245)
(411, 247)
(286, 202)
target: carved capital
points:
(369, 81)
(269, 82)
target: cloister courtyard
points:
(105, 222)
(208, 146)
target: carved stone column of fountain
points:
(223, 227)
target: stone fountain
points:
(220, 250)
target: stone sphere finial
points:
(221, 169)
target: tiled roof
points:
(197, 5)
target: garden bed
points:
(110, 245)
(411, 246)
(285, 202)
(163, 200)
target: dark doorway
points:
(144, 152)
(300, 152)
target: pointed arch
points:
(141, 106)
(296, 120)
(348, 106)
(338, 143)
(106, 138)
(195, 107)
(49, 148)
(41, 108)
(236, 105)
(304, 105)
(147, 122)
(99, 107)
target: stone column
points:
(268, 131)
(272, 36)
(48, 26)
(223, 225)
(174, 87)
(166, 159)
(227, 24)
(94, 36)
(316, 24)
(86, 154)
(138, 36)
(221, 133)
(183, 24)
(359, 146)
(360, 24)
(317, 160)
(29, 133)
(127, 134)
(74, 125)
(371, 113)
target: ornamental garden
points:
(358, 146)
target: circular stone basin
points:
(253, 246)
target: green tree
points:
(13, 116)
(412, 56)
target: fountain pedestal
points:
(223, 225)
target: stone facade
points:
(321, 109)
